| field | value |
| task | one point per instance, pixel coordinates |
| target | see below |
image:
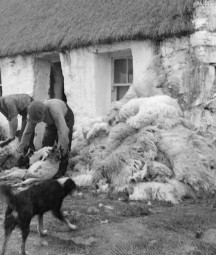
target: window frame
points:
(116, 85)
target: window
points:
(122, 76)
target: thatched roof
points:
(28, 26)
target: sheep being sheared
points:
(6, 154)
(41, 154)
(40, 170)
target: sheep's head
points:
(54, 155)
(211, 105)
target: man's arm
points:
(29, 129)
(57, 114)
(13, 123)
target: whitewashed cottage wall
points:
(87, 76)
(25, 75)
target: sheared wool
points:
(102, 185)
(187, 158)
(145, 111)
(139, 176)
(172, 191)
(157, 169)
(97, 127)
(14, 173)
(83, 180)
(10, 148)
(152, 148)
(152, 170)
(87, 125)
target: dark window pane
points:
(121, 91)
(120, 69)
(130, 70)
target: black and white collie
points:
(36, 200)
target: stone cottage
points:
(90, 52)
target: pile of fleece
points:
(147, 147)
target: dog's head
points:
(68, 184)
(211, 105)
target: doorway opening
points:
(56, 88)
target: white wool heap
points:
(97, 127)
(141, 112)
(173, 191)
(151, 149)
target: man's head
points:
(36, 111)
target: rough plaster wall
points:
(40, 92)
(189, 70)
(102, 84)
(87, 77)
(78, 67)
(25, 75)
(17, 77)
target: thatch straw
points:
(41, 25)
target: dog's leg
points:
(6, 239)
(41, 231)
(25, 233)
(9, 225)
(60, 216)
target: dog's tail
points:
(6, 194)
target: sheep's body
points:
(7, 160)
(43, 169)
(39, 155)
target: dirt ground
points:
(107, 225)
